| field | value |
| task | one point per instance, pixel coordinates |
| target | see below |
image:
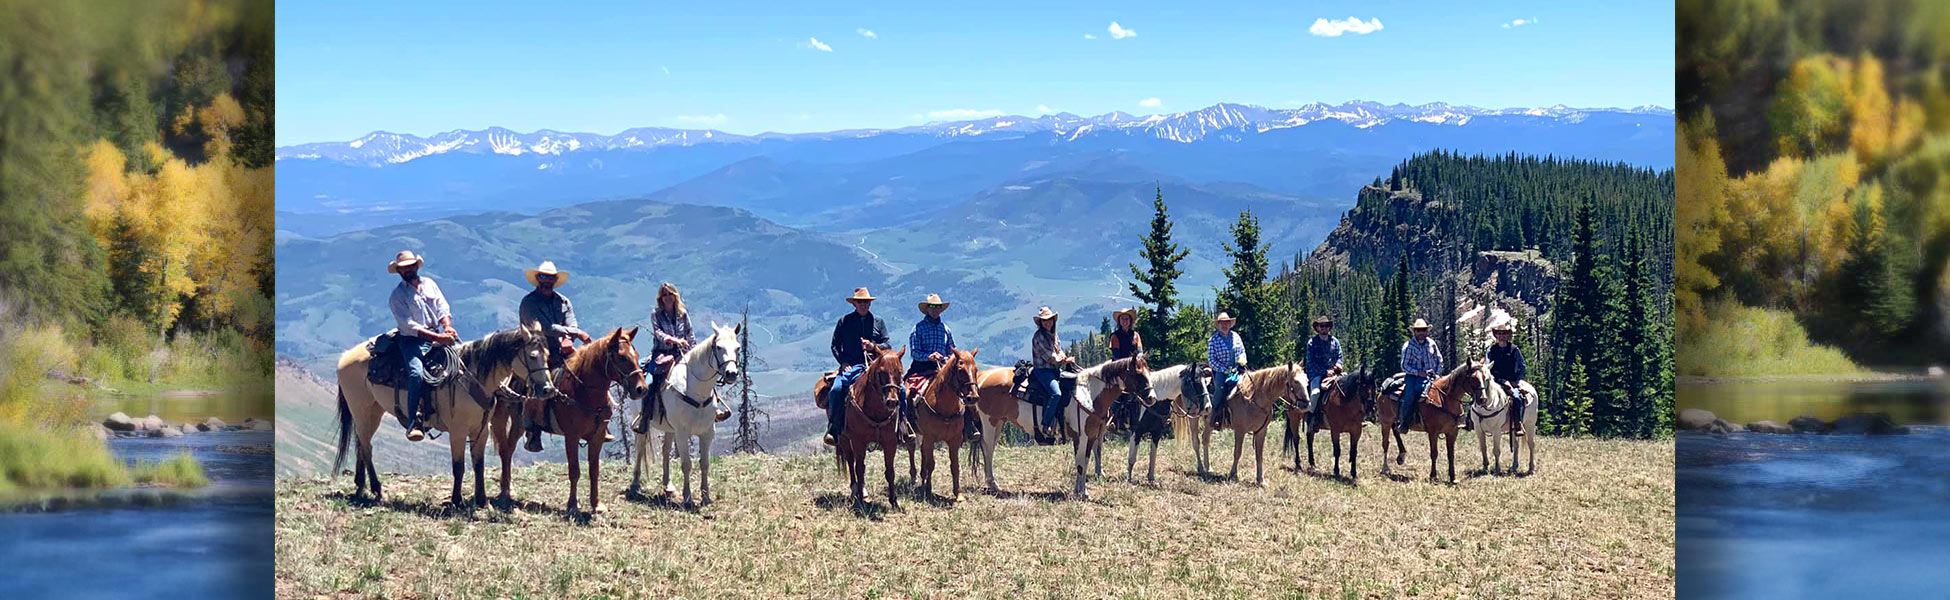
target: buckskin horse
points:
(689, 409)
(939, 415)
(1343, 410)
(486, 363)
(1440, 410)
(872, 412)
(582, 415)
(1251, 408)
(1178, 388)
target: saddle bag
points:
(388, 365)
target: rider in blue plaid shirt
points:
(1421, 360)
(932, 342)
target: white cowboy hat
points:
(1504, 326)
(403, 259)
(548, 268)
(932, 299)
(1223, 317)
(860, 293)
(1419, 324)
(1128, 312)
(1045, 314)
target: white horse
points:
(1169, 385)
(689, 409)
(1492, 414)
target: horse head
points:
(1195, 387)
(1296, 384)
(960, 373)
(882, 374)
(534, 360)
(618, 349)
(1137, 380)
(724, 351)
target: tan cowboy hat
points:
(1045, 314)
(403, 259)
(860, 293)
(932, 299)
(548, 268)
(1419, 324)
(1128, 312)
(1502, 327)
(1224, 317)
(1324, 320)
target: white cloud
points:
(962, 114)
(717, 119)
(1326, 28)
(816, 45)
(1043, 109)
(1089, 36)
(1520, 23)
(1118, 32)
(1150, 103)
(864, 32)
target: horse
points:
(583, 414)
(1182, 387)
(1251, 407)
(1088, 414)
(689, 411)
(1439, 418)
(939, 414)
(1197, 414)
(872, 412)
(491, 359)
(1492, 414)
(1344, 409)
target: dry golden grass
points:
(1596, 521)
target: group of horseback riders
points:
(1051, 372)
(425, 320)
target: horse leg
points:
(1401, 446)
(1531, 447)
(684, 454)
(641, 450)
(478, 452)
(457, 448)
(670, 442)
(1483, 446)
(575, 469)
(1354, 454)
(1450, 439)
(1333, 437)
(704, 465)
(954, 467)
(856, 466)
(1259, 458)
(1080, 455)
(1432, 456)
(1238, 445)
(1130, 465)
(1310, 452)
(359, 468)
(988, 456)
(887, 450)
(1151, 465)
(927, 466)
(595, 471)
(504, 447)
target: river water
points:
(1788, 516)
(214, 542)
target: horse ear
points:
(738, 328)
(901, 353)
(633, 331)
(972, 353)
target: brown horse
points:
(938, 415)
(1087, 417)
(1440, 409)
(582, 414)
(1343, 410)
(872, 416)
(1251, 407)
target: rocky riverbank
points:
(1876, 423)
(121, 425)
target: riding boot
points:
(1516, 414)
(1401, 419)
(835, 412)
(907, 413)
(1469, 421)
(643, 416)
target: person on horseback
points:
(1421, 360)
(1323, 361)
(424, 319)
(1125, 343)
(670, 325)
(551, 311)
(1507, 368)
(861, 324)
(932, 342)
(1046, 350)
(1226, 352)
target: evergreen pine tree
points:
(1247, 295)
(1155, 285)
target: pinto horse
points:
(488, 361)
(583, 414)
(872, 416)
(688, 410)
(1088, 415)
(1344, 409)
(1440, 409)
(1251, 407)
(939, 415)
(1184, 388)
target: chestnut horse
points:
(582, 413)
(1440, 409)
(872, 415)
(1251, 407)
(1344, 410)
(489, 361)
(938, 415)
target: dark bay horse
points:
(1440, 409)
(939, 415)
(584, 415)
(872, 417)
(1343, 410)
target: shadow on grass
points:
(659, 500)
(866, 509)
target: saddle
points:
(1066, 378)
(388, 368)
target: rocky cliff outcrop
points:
(1382, 226)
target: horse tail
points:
(345, 432)
(1292, 439)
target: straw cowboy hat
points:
(1419, 324)
(404, 259)
(932, 299)
(1128, 312)
(1324, 320)
(548, 268)
(860, 293)
(1503, 327)
(1224, 317)
(1045, 314)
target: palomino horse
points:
(939, 415)
(872, 414)
(1344, 409)
(488, 361)
(1440, 409)
(1492, 414)
(1251, 408)
(689, 411)
(1182, 388)
(584, 415)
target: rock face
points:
(1868, 423)
(153, 422)
(119, 422)
(1768, 427)
(1696, 419)
(1808, 424)
(212, 424)
(1522, 276)
(1721, 426)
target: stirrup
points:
(642, 425)
(831, 441)
(413, 434)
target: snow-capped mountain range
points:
(382, 148)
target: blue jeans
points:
(1313, 387)
(1412, 390)
(836, 397)
(413, 351)
(1045, 378)
(1222, 387)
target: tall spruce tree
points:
(1247, 294)
(1156, 285)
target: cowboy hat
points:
(860, 293)
(401, 260)
(932, 299)
(1128, 312)
(548, 268)
(1419, 324)
(1045, 314)
(1324, 320)
(1501, 327)
(1223, 317)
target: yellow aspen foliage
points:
(1909, 124)
(106, 188)
(1821, 197)
(1810, 104)
(216, 120)
(1699, 214)
(1870, 110)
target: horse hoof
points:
(958, 498)
(600, 509)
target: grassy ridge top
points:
(1596, 521)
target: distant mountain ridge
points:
(382, 148)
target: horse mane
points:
(578, 361)
(498, 348)
(1460, 368)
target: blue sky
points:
(349, 68)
